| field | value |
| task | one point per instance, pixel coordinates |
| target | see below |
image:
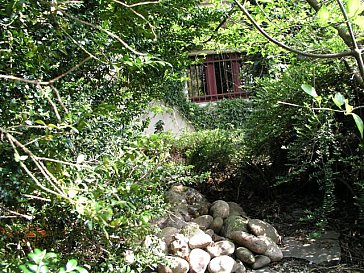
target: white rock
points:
(179, 247)
(259, 227)
(199, 260)
(273, 251)
(253, 243)
(221, 248)
(200, 240)
(176, 265)
(221, 264)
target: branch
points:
(59, 99)
(282, 45)
(313, 108)
(111, 34)
(54, 106)
(29, 218)
(358, 55)
(139, 15)
(138, 4)
(39, 82)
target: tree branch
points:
(282, 45)
(111, 34)
(40, 82)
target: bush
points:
(300, 145)
(217, 151)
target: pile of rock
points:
(217, 237)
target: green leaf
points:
(71, 265)
(339, 100)
(359, 21)
(309, 90)
(348, 107)
(323, 15)
(359, 123)
(24, 269)
(352, 7)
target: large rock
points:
(234, 223)
(259, 227)
(221, 264)
(200, 240)
(253, 243)
(220, 208)
(204, 221)
(175, 265)
(179, 247)
(239, 267)
(191, 229)
(245, 255)
(273, 251)
(236, 209)
(175, 220)
(217, 224)
(167, 234)
(261, 261)
(199, 260)
(221, 248)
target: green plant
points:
(43, 262)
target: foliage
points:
(217, 151)
(43, 262)
(305, 143)
(75, 78)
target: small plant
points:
(41, 261)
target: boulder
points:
(221, 248)
(220, 208)
(259, 227)
(199, 260)
(191, 229)
(200, 240)
(260, 261)
(179, 247)
(273, 252)
(245, 255)
(167, 234)
(217, 224)
(221, 264)
(239, 267)
(204, 221)
(175, 265)
(236, 209)
(175, 220)
(234, 223)
(253, 243)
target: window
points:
(218, 76)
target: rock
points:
(175, 197)
(204, 221)
(273, 252)
(210, 232)
(155, 245)
(191, 229)
(179, 247)
(261, 261)
(249, 241)
(239, 267)
(217, 238)
(200, 240)
(199, 260)
(236, 209)
(221, 248)
(175, 220)
(245, 255)
(176, 265)
(217, 224)
(234, 223)
(259, 227)
(221, 264)
(220, 208)
(167, 234)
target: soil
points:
(285, 208)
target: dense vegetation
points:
(77, 177)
